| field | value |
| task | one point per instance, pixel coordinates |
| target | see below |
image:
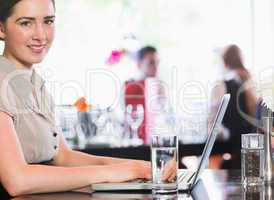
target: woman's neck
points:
(18, 64)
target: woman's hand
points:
(170, 171)
(129, 170)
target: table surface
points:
(214, 184)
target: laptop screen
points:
(212, 136)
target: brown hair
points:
(6, 8)
(232, 57)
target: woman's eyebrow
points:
(33, 18)
(28, 18)
(50, 17)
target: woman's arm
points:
(68, 157)
(251, 102)
(20, 178)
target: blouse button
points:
(55, 147)
(54, 134)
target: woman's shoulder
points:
(6, 69)
(5, 77)
(12, 85)
(15, 81)
(7, 93)
(6, 66)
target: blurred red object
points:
(115, 57)
(134, 95)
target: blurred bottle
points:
(84, 118)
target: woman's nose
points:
(39, 33)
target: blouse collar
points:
(21, 80)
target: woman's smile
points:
(37, 48)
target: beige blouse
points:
(23, 96)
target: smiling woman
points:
(33, 152)
(27, 30)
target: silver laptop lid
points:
(212, 136)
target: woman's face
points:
(29, 32)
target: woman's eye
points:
(49, 22)
(26, 23)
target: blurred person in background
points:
(135, 88)
(236, 82)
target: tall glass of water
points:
(164, 160)
(252, 159)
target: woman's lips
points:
(37, 48)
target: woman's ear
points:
(2, 31)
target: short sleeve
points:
(8, 100)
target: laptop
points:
(186, 178)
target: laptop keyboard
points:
(140, 180)
(183, 176)
(186, 176)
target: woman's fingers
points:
(173, 176)
(167, 173)
(169, 170)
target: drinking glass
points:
(164, 161)
(134, 118)
(169, 196)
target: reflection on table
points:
(214, 184)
